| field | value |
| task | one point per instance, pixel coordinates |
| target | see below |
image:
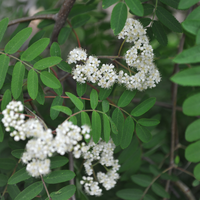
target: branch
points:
(71, 167)
(61, 18)
(35, 17)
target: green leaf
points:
(106, 3)
(17, 79)
(63, 109)
(4, 60)
(142, 179)
(197, 172)
(160, 191)
(104, 93)
(159, 33)
(58, 161)
(191, 105)
(19, 176)
(106, 128)
(148, 122)
(35, 49)
(192, 131)
(3, 178)
(168, 19)
(130, 194)
(64, 34)
(187, 77)
(127, 132)
(172, 3)
(6, 99)
(126, 98)
(85, 119)
(30, 192)
(190, 55)
(93, 99)
(59, 176)
(105, 106)
(73, 119)
(198, 37)
(76, 101)
(136, 7)
(3, 27)
(64, 193)
(50, 80)
(32, 84)
(65, 66)
(81, 88)
(40, 97)
(58, 101)
(148, 9)
(17, 153)
(36, 37)
(185, 4)
(118, 17)
(47, 62)
(2, 130)
(118, 119)
(55, 50)
(13, 191)
(7, 163)
(79, 20)
(191, 26)
(143, 133)
(113, 126)
(143, 107)
(192, 152)
(18, 40)
(20, 27)
(44, 23)
(145, 21)
(96, 126)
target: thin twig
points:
(35, 17)
(61, 18)
(45, 187)
(71, 168)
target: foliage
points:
(154, 127)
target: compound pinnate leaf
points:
(160, 191)
(6, 99)
(136, 7)
(188, 77)
(81, 88)
(50, 80)
(192, 152)
(159, 33)
(17, 79)
(197, 171)
(64, 193)
(18, 40)
(148, 9)
(126, 98)
(2, 130)
(106, 3)
(36, 37)
(191, 105)
(191, 26)
(3, 27)
(106, 128)
(118, 17)
(65, 66)
(172, 3)
(104, 93)
(143, 107)
(32, 84)
(55, 50)
(184, 4)
(17, 153)
(40, 96)
(105, 106)
(4, 60)
(130, 194)
(63, 109)
(192, 131)
(18, 176)
(35, 49)
(93, 99)
(13, 191)
(142, 179)
(58, 101)
(148, 122)
(47, 62)
(168, 19)
(59, 176)
(143, 133)
(31, 191)
(58, 161)
(64, 34)
(76, 101)
(127, 132)
(190, 55)
(96, 126)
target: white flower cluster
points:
(42, 143)
(139, 57)
(101, 153)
